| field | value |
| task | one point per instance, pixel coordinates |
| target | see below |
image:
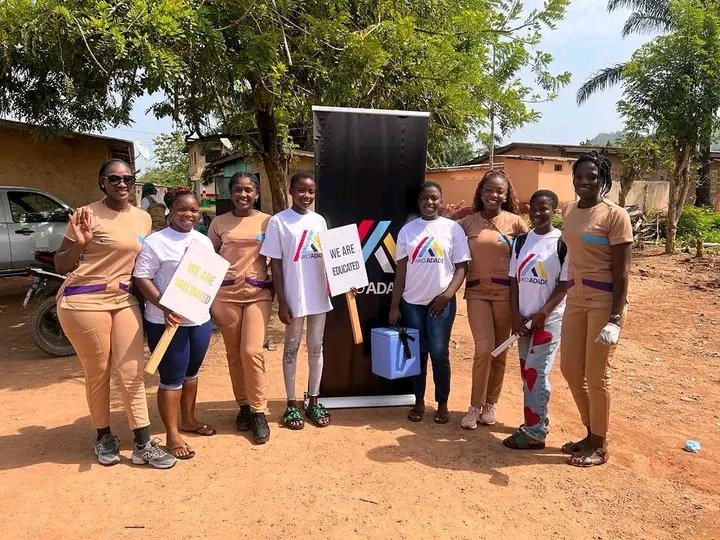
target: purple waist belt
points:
(250, 281)
(498, 281)
(73, 290)
(599, 285)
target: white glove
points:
(609, 335)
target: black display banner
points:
(368, 166)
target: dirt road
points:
(373, 473)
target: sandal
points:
(572, 448)
(204, 430)
(442, 418)
(316, 413)
(520, 441)
(415, 415)
(599, 456)
(190, 452)
(292, 419)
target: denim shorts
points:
(184, 356)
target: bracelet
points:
(615, 319)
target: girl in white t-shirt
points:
(179, 367)
(537, 296)
(432, 255)
(298, 273)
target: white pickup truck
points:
(30, 220)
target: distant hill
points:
(605, 139)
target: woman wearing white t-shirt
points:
(298, 273)
(154, 268)
(537, 295)
(432, 255)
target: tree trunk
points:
(679, 188)
(702, 191)
(626, 182)
(274, 157)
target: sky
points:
(586, 40)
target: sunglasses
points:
(115, 179)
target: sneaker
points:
(487, 418)
(243, 420)
(260, 428)
(152, 454)
(107, 449)
(470, 420)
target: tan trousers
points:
(490, 325)
(243, 331)
(102, 337)
(586, 364)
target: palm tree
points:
(649, 16)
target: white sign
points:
(343, 259)
(195, 283)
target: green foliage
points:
(698, 223)
(172, 161)
(604, 139)
(451, 151)
(557, 220)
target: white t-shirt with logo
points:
(158, 260)
(433, 248)
(537, 271)
(293, 238)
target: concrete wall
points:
(458, 185)
(67, 167)
(524, 175)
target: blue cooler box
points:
(388, 356)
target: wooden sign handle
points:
(354, 318)
(159, 351)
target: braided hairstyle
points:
(509, 205)
(172, 195)
(603, 165)
(104, 167)
(235, 178)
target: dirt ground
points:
(373, 474)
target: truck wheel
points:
(46, 331)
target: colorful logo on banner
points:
(428, 251)
(378, 242)
(538, 272)
(308, 247)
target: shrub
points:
(702, 223)
(557, 220)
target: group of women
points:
(514, 281)
(549, 287)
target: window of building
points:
(558, 167)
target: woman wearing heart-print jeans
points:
(537, 297)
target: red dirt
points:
(373, 473)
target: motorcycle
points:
(45, 328)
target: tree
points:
(251, 69)
(451, 151)
(640, 155)
(672, 89)
(172, 160)
(650, 16)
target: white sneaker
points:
(151, 454)
(487, 418)
(107, 449)
(470, 420)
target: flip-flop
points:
(204, 430)
(189, 455)
(415, 415)
(316, 413)
(292, 419)
(442, 418)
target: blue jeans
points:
(537, 354)
(184, 355)
(435, 341)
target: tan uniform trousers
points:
(243, 331)
(586, 364)
(102, 337)
(490, 325)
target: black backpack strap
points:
(561, 251)
(519, 243)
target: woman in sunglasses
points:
(100, 315)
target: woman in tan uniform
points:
(242, 306)
(490, 231)
(100, 315)
(599, 236)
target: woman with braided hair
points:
(599, 238)
(100, 315)
(179, 367)
(490, 231)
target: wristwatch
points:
(615, 319)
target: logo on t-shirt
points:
(308, 247)
(428, 251)
(532, 270)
